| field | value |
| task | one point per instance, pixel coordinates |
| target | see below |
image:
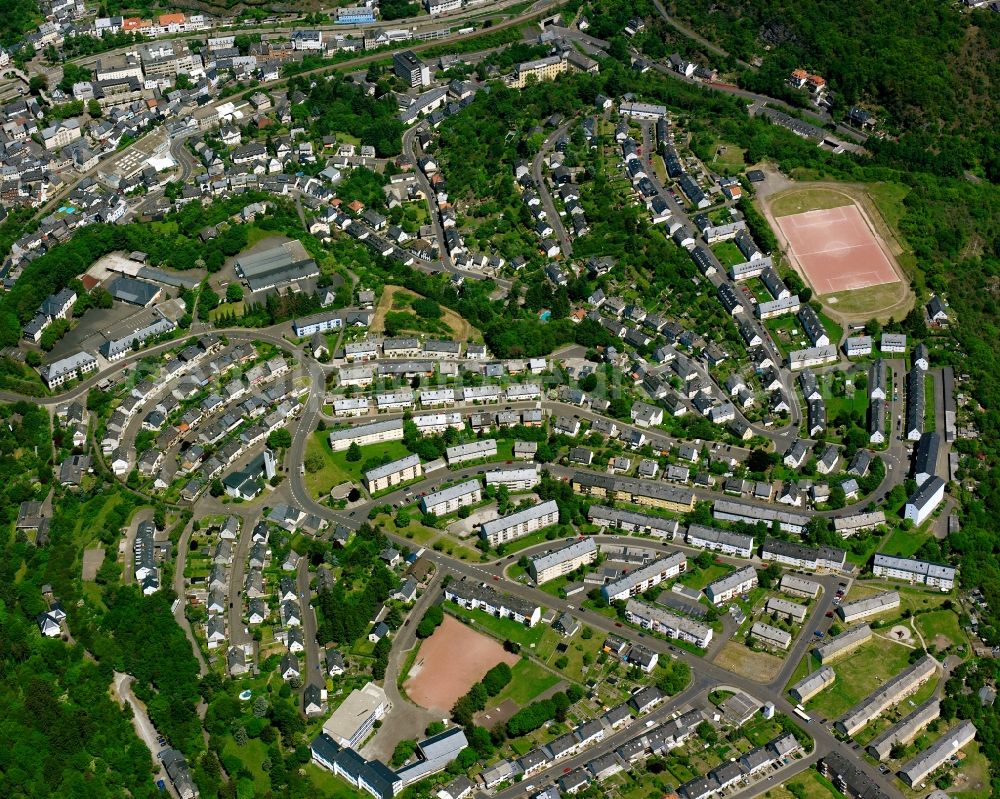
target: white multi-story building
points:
(433, 423)
(486, 448)
(365, 434)
(734, 584)
(317, 324)
(563, 560)
(645, 577)
(68, 368)
(914, 571)
(666, 623)
(872, 606)
(352, 406)
(516, 479)
(925, 500)
(449, 500)
(394, 473)
(711, 538)
(516, 525)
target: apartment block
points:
(516, 525)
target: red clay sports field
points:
(836, 250)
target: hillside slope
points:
(933, 71)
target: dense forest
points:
(930, 72)
(19, 17)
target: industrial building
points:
(277, 266)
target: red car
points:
(829, 614)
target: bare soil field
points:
(450, 662)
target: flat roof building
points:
(355, 718)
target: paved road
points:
(239, 635)
(180, 590)
(565, 242)
(147, 733)
(128, 570)
(409, 721)
(314, 672)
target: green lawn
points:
(728, 253)
(809, 785)
(903, 543)
(528, 680)
(727, 158)
(530, 540)
(501, 628)
(337, 469)
(329, 786)
(940, 622)
(699, 578)
(858, 675)
(252, 756)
